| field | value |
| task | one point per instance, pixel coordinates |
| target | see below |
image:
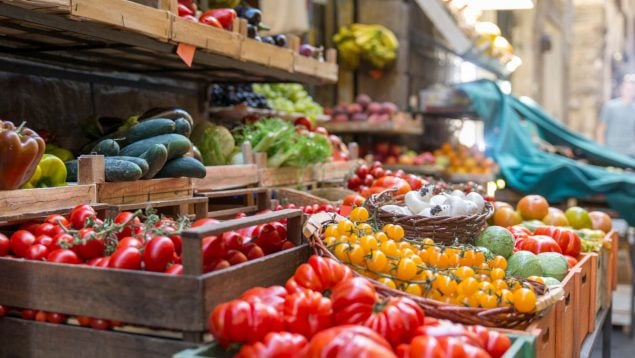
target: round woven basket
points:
(501, 317)
(442, 229)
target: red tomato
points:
(377, 173)
(103, 262)
(126, 258)
(83, 321)
(497, 344)
(287, 245)
(425, 346)
(273, 296)
(213, 248)
(130, 242)
(235, 257)
(100, 324)
(414, 181)
(356, 302)
(28, 314)
(233, 240)
(176, 270)
(21, 240)
(158, 253)
(568, 240)
(62, 241)
(40, 316)
(92, 246)
(318, 274)
(37, 252)
(63, 256)
(376, 164)
(216, 265)
(362, 170)
(519, 232)
(345, 210)
(240, 321)
(275, 345)
(307, 312)
(44, 240)
(538, 244)
(369, 179)
(349, 341)
(55, 317)
(571, 261)
(3, 311)
(203, 222)
(29, 226)
(254, 252)
(390, 182)
(184, 10)
(5, 245)
(354, 181)
(48, 230)
(271, 237)
(79, 214)
(129, 228)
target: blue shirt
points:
(619, 118)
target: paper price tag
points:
(186, 53)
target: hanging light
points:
(501, 4)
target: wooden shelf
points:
(416, 169)
(379, 128)
(240, 111)
(89, 37)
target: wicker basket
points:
(442, 229)
(501, 317)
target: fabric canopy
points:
(529, 169)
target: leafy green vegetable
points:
(215, 143)
(284, 145)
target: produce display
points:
(324, 311)
(372, 44)
(289, 98)
(230, 95)
(364, 109)
(551, 226)
(49, 172)
(156, 145)
(463, 160)
(426, 203)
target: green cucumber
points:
(115, 169)
(156, 156)
(176, 144)
(71, 170)
(150, 128)
(107, 147)
(170, 113)
(121, 170)
(142, 163)
(183, 127)
(182, 167)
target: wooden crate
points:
(266, 54)
(205, 37)
(91, 171)
(195, 207)
(334, 170)
(252, 200)
(178, 303)
(125, 15)
(544, 329)
(566, 310)
(613, 261)
(15, 204)
(602, 281)
(286, 196)
(48, 6)
(287, 176)
(585, 318)
(224, 177)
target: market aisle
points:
(621, 345)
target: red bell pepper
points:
(225, 17)
(210, 20)
(20, 152)
(184, 10)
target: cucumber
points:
(71, 170)
(156, 156)
(121, 170)
(114, 169)
(183, 127)
(176, 144)
(142, 163)
(107, 147)
(170, 113)
(182, 167)
(150, 128)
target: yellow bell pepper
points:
(62, 153)
(50, 172)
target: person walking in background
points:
(617, 120)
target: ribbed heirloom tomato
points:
(349, 341)
(568, 240)
(240, 321)
(275, 345)
(319, 274)
(390, 182)
(273, 296)
(538, 244)
(355, 301)
(307, 312)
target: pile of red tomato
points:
(323, 311)
(374, 179)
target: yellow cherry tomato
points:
(414, 289)
(377, 262)
(387, 282)
(395, 232)
(381, 236)
(464, 272)
(364, 229)
(329, 240)
(536, 279)
(331, 230)
(427, 241)
(341, 252)
(345, 227)
(468, 286)
(497, 274)
(499, 285)
(468, 258)
(406, 269)
(369, 243)
(359, 214)
(524, 300)
(488, 301)
(389, 247)
(498, 262)
(356, 254)
(506, 298)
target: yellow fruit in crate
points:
(578, 218)
(524, 300)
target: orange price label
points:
(186, 53)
